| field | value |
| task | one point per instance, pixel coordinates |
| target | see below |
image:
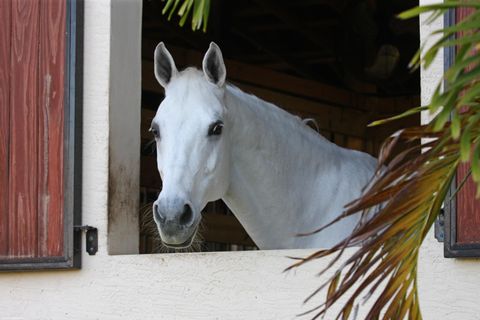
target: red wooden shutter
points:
(468, 208)
(463, 219)
(34, 74)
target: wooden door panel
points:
(5, 36)
(468, 208)
(23, 129)
(462, 219)
(39, 175)
(51, 101)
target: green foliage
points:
(201, 10)
(411, 187)
(458, 104)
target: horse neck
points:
(275, 158)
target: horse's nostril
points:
(187, 215)
(157, 214)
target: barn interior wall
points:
(245, 285)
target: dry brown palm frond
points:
(390, 240)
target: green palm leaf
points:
(200, 8)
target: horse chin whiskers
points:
(195, 245)
(148, 226)
(196, 242)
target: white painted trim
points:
(432, 76)
(124, 126)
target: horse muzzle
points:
(176, 224)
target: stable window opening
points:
(342, 64)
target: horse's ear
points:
(165, 68)
(213, 65)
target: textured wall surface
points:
(247, 285)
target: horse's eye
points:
(154, 131)
(215, 129)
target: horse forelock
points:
(191, 80)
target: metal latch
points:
(91, 238)
(440, 226)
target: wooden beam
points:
(252, 11)
(317, 24)
(294, 23)
(224, 228)
(296, 105)
(301, 27)
(299, 67)
(337, 5)
(336, 110)
(342, 120)
(304, 55)
(159, 29)
(243, 72)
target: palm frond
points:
(410, 193)
(410, 188)
(183, 8)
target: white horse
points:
(277, 175)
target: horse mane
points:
(285, 117)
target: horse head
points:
(191, 132)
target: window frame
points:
(73, 86)
(453, 249)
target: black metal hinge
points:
(91, 238)
(440, 226)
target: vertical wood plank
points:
(51, 126)
(355, 143)
(23, 121)
(5, 33)
(468, 208)
(339, 139)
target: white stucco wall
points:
(248, 285)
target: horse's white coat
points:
(277, 175)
